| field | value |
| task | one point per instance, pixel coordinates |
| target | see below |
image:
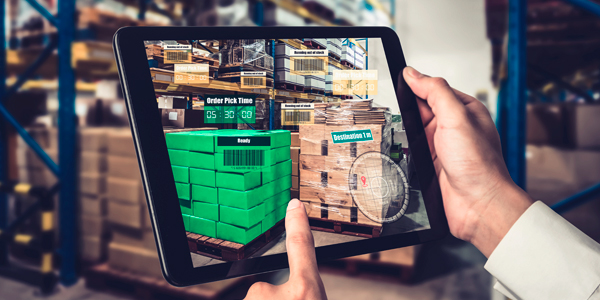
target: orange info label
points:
(191, 73)
(309, 62)
(177, 54)
(252, 80)
(354, 82)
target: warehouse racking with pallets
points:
(92, 61)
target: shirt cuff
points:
(545, 257)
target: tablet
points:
(230, 123)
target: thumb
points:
(439, 96)
(299, 242)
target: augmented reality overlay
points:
(250, 124)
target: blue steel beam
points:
(67, 137)
(44, 12)
(32, 68)
(580, 198)
(3, 139)
(517, 98)
(587, 5)
(29, 140)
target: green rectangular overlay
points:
(352, 136)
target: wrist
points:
(497, 217)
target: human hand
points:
(305, 281)
(480, 199)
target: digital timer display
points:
(230, 109)
(229, 114)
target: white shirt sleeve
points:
(545, 257)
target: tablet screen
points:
(251, 124)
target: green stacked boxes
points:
(232, 184)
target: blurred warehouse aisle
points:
(464, 41)
(450, 270)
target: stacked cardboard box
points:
(315, 83)
(218, 195)
(334, 45)
(31, 169)
(348, 53)
(359, 57)
(94, 233)
(325, 179)
(347, 10)
(132, 247)
(329, 78)
(282, 66)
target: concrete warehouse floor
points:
(447, 270)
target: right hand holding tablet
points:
(480, 199)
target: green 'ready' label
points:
(352, 136)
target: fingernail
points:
(294, 203)
(414, 73)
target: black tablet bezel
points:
(158, 179)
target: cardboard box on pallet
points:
(136, 238)
(93, 249)
(93, 139)
(92, 183)
(123, 167)
(94, 226)
(582, 125)
(130, 215)
(125, 190)
(120, 143)
(93, 205)
(92, 162)
(134, 259)
(219, 196)
(342, 213)
(325, 167)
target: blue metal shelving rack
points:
(67, 133)
(512, 100)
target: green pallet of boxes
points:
(231, 184)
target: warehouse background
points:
(464, 41)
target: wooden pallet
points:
(398, 263)
(347, 64)
(334, 56)
(230, 251)
(314, 91)
(348, 228)
(313, 45)
(289, 87)
(229, 68)
(102, 278)
(236, 77)
(196, 59)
